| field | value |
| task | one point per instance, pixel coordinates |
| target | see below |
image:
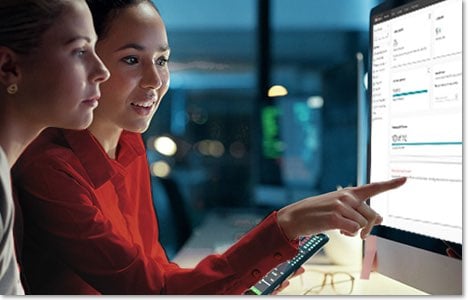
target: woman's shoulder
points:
(48, 149)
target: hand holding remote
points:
(272, 282)
(285, 283)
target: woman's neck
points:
(16, 133)
(107, 136)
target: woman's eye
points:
(162, 61)
(131, 60)
(79, 52)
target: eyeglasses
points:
(342, 283)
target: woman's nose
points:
(101, 73)
(152, 78)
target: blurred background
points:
(266, 106)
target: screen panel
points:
(416, 118)
(415, 123)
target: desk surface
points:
(377, 284)
(220, 230)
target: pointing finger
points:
(366, 191)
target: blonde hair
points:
(23, 22)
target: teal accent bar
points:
(410, 93)
(427, 144)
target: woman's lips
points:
(92, 102)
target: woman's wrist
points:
(285, 222)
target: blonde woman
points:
(49, 76)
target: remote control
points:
(308, 247)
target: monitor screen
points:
(415, 87)
(416, 117)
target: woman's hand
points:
(345, 210)
(285, 283)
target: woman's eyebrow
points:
(140, 47)
(77, 38)
(131, 46)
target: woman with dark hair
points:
(49, 76)
(90, 226)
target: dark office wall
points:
(214, 75)
(340, 127)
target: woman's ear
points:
(9, 68)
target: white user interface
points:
(416, 119)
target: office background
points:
(236, 146)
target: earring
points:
(12, 89)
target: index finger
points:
(366, 191)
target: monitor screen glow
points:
(416, 117)
(415, 130)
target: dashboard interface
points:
(416, 117)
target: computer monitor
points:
(415, 121)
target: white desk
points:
(219, 231)
(377, 284)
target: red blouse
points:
(90, 226)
